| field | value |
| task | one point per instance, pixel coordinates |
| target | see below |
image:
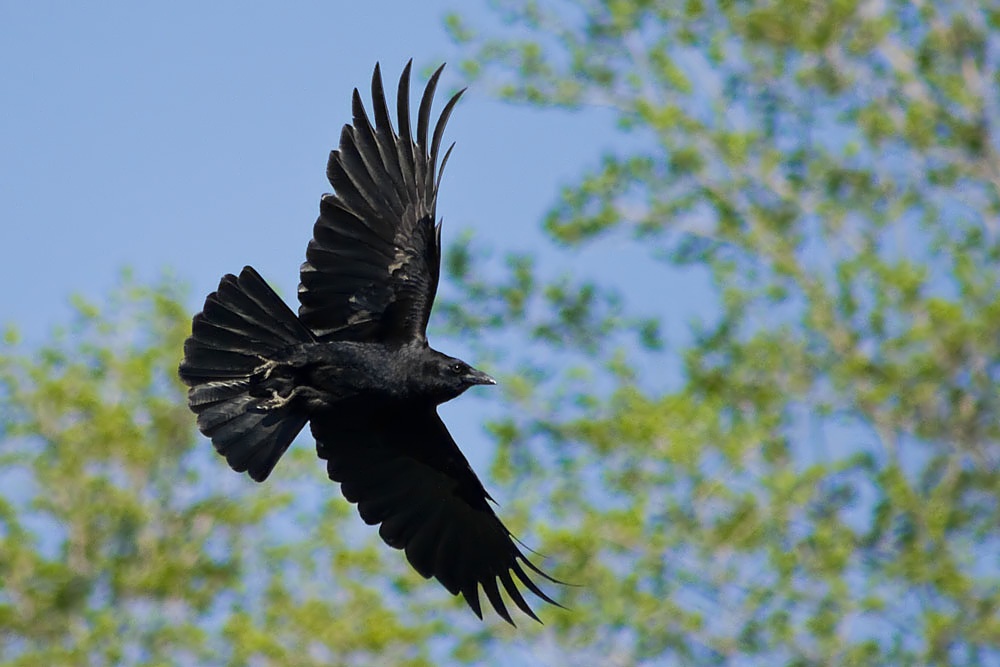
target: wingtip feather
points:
(424, 113)
(493, 594)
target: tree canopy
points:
(822, 489)
(819, 484)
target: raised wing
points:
(405, 472)
(372, 267)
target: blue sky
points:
(193, 137)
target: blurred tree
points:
(819, 485)
(123, 542)
(823, 486)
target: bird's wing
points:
(405, 472)
(372, 266)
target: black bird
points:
(355, 362)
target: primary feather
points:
(372, 267)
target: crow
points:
(355, 363)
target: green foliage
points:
(819, 485)
(824, 485)
(126, 540)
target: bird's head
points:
(453, 376)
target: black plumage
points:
(355, 362)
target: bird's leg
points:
(273, 393)
(277, 401)
(263, 372)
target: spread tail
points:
(243, 325)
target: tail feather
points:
(213, 335)
(217, 391)
(207, 363)
(257, 304)
(243, 324)
(261, 446)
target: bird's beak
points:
(479, 377)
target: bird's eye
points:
(457, 368)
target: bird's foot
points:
(263, 372)
(276, 401)
(304, 395)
